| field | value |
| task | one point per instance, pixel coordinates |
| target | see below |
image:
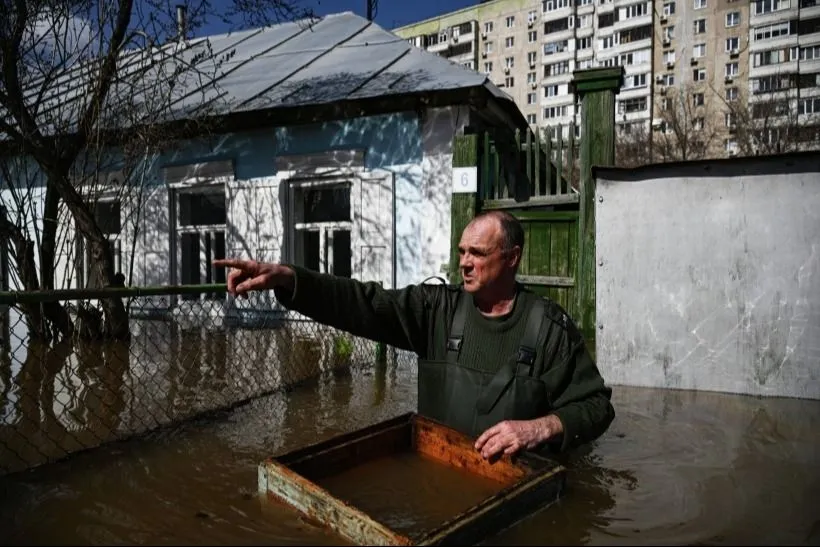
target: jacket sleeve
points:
(400, 318)
(579, 396)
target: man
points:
(496, 361)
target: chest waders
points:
(471, 400)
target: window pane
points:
(307, 249)
(325, 204)
(196, 209)
(107, 216)
(189, 263)
(341, 253)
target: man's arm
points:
(396, 317)
(581, 413)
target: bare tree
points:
(690, 125)
(83, 82)
(633, 145)
(774, 121)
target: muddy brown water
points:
(676, 467)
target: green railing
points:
(182, 358)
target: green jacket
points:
(419, 317)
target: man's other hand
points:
(511, 436)
(250, 275)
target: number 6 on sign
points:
(465, 180)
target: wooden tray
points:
(527, 483)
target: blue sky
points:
(390, 14)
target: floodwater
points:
(676, 467)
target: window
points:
(809, 53)
(550, 91)
(730, 145)
(731, 94)
(488, 67)
(532, 36)
(322, 222)
(532, 57)
(510, 21)
(634, 10)
(669, 8)
(555, 69)
(699, 74)
(668, 79)
(700, 4)
(200, 236)
(664, 104)
(532, 98)
(733, 19)
(488, 47)
(509, 81)
(509, 41)
(699, 50)
(668, 57)
(555, 112)
(488, 26)
(700, 26)
(555, 47)
(608, 42)
(509, 62)
(809, 106)
(635, 81)
(531, 119)
(697, 124)
(728, 119)
(531, 78)
(769, 6)
(732, 45)
(532, 16)
(769, 32)
(698, 99)
(107, 214)
(732, 69)
(669, 33)
(630, 106)
(584, 43)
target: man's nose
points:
(465, 261)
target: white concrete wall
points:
(709, 276)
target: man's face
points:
(482, 258)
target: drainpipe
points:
(181, 24)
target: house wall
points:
(709, 276)
(405, 151)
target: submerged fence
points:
(186, 355)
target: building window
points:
(488, 27)
(532, 16)
(550, 91)
(583, 43)
(509, 41)
(732, 69)
(669, 33)
(732, 45)
(630, 106)
(698, 99)
(668, 79)
(700, 26)
(531, 77)
(322, 223)
(108, 216)
(200, 236)
(532, 36)
(488, 47)
(669, 57)
(698, 51)
(700, 4)
(532, 98)
(669, 8)
(532, 57)
(510, 21)
(733, 19)
(488, 67)
(699, 74)
(509, 62)
(509, 81)
(769, 6)
(635, 10)
(531, 119)
(664, 104)
(635, 81)
(731, 94)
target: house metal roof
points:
(340, 57)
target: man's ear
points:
(515, 257)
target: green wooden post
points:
(597, 88)
(463, 205)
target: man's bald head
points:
(511, 231)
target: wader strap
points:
(457, 327)
(526, 356)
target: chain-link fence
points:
(189, 350)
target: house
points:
(333, 150)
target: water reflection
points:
(675, 468)
(80, 394)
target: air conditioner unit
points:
(734, 53)
(530, 24)
(659, 78)
(534, 85)
(664, 18)
(694, 60)
(667, 42)
(455, 38)
(506, 70)
(729, 79)
(732, 152)
(656, 123)
(483, 35)
(484, 55)
(532, 64)
(670, 64)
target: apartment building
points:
(691, 66)
(531, 47)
